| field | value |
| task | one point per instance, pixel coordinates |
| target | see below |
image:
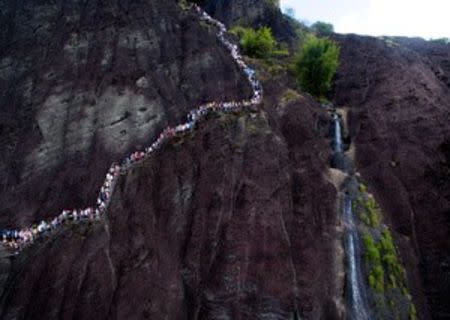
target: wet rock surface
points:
(82, 83)
(399, 121)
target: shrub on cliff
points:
(322, 28)
(315, 65)
(256, 43)
(275, 3)
(374, 262)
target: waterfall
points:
(337, 134)
(355, 285)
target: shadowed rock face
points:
(83, 82)
(399, 121)
(233, 221)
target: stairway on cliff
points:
(196, 229)
(85, 83)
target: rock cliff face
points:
(435, 54)
(222, 224)
(240, 219)
(236, 221)
(83, 82)
(399, 100)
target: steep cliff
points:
(83, 82)
(237, 220)
(399, 103)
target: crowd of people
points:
(18, 239)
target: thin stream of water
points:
(355, 287)
(337, 134)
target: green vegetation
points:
(362, 188)
(373, 260)
(386, 275)
(412, 312)
(281, 51)
(321, 28)
(396, 273)
(315, 65)
(385, 271)
(372, 210)
(275, 3)
(441, 40)
(369, 212)
(390, 41)
(256, 43)
(183, 4)
(289, 96)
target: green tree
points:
(256, 43)
(322, 28)
(315, 65)
(275, 3)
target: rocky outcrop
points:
(399, 119)
(82, 83)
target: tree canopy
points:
(315, 65)
(256, 43)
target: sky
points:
(412, 18)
